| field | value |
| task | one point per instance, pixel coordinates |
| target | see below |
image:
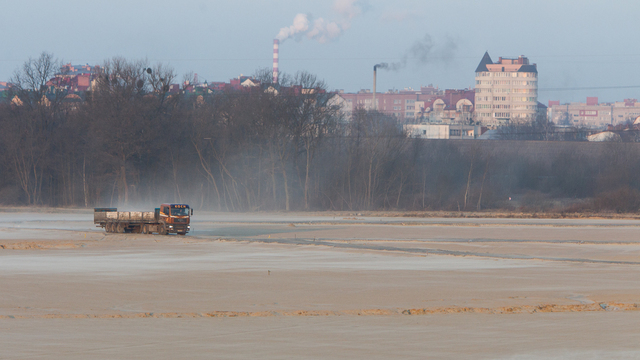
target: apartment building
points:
(428, 104)
(506, 91)
(594, 114)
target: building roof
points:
(528, 68)
(604, 136)
(486, 59)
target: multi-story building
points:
(594, 114)
(506, 91)
(415, 106)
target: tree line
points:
(131, 143)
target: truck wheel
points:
(109, 227)
(145, 229)
(163, 231)
(121, 228)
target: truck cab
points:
(176, 218)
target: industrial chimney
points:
(375, 74)
(276, 46)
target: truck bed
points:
(124, 216)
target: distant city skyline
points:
(575, 44)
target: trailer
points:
(167, 219)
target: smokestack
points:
(375, 74)
(276, 46)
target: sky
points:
(576, 44)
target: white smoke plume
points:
(320, 29)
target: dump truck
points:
(167, 219)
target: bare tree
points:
(28, 128)
(313, 117)
(29, 83)
(125, 122)
(160, 78)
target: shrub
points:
(622, 200)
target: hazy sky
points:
(576, 43)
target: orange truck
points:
(167, 219)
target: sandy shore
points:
(313, 286)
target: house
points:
(74, 78)
(443, 131)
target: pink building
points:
(414, 106)
(594, 114)
(74, 78)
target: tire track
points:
(427, 251)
